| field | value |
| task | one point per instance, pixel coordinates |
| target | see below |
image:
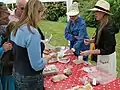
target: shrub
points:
(115, 9)
(55, 10)
(84, 7)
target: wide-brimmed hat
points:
(102, 6)
(73, 10)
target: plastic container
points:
(101, 76)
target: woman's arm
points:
(85, 53)
(68, 34)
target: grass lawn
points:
(57, 30)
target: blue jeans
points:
(29, 82)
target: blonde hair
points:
(103, 23)
(31, 14)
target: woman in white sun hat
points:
(105, 37)
(76, 32)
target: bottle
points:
(94, 81)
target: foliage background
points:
(57, 11)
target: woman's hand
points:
(76, 37)
(7, 46)
(47, 57)
(86, 41)
(85, 53)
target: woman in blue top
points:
(27, 48)
(75, 31)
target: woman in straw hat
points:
(76, 32)
(105, 36)
(28, 63)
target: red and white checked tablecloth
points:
(73, 80)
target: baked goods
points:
(53, 57)
(58, 77)
(67, 71)
(68, 52)
(52, 60)
(86, 87)
(77, 61)
(50, 70)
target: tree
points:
(84, 6)
(115, 10)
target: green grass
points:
(57, 30)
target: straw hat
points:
(73, 10)
(102, 6)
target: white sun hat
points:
(102, 6)
(73, 10)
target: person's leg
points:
(11, 82)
